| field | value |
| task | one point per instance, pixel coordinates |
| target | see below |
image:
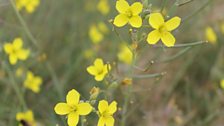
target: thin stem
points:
(183, 45)
(149, 75)
(186, 2)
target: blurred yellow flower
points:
(103, 28)
(26, 117)
(99, 69)
(106, 113)
(162, 29)
(210, 35)
(88, 53)
(125, 55)
(20, 71)
(222, 84)
(95, 35)
(16, 51)
(73, 108)
(29, 5)
(33, 82)
(103, 6)
(128, 14)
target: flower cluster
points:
(29, 5)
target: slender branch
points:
(182, 45)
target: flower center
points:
(105, 114)
(162, 29)
(74, 108)
(129, 13)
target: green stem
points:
(183, 45)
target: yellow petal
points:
(153, 37)
(136, 21)
(13, 59)
(98, 62)
(8, 48)
(23, 54)
(62, 109)
(222, 84)
(73, 119)
(173, 23)
(113, 107)
(122, 6)
(99, 77)
(211, 35)
(72, 97)
(120, 20)
(136, 8)
(92, 70)
(168, 39)
(103, 105)
(156, 20)
(110, 121)
(101, 121)
(17, 43)
(84, 108)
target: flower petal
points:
(72, 97)
(136, 21)
(122, 6)
(92, 70)
(153, 37)
(101, 121)
(136, 8)
(120, 20)
(73, 119)
(173, 23)
(84, 108)
(156, 20)
(22, 54)
(99, 77)
(98, 63)
(168, 39)
(110, 121)
(103, 105)
(62, 109)
(8, 48)
(13, 59)
(17, 43)
(113, 107)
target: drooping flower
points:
(33, 82)
(128, 14)
(29, 5)
(15, 51)
(99, 69)
(106, 113)
(103, 7)
(210, 35)
(125, 55)
(26, 117)
(73, 108)
(162, 30)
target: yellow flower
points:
(103, 7)
(33, 82)
(125, 55)
(162, 29)
(222, 84)
(29, 5)
(16, 51)
(103, 28)
(95, 35)
(20, 71)
(88, 53)
(210, 35)
(26, 117)
(106, 113)
(128, 14)
(99, 69)
(73, 108)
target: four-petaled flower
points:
(26, 117)
(128, 14)
(33, 82)
(73, 108)
(99, 69)
(162, 29)
(16, 51)
(106, 113)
